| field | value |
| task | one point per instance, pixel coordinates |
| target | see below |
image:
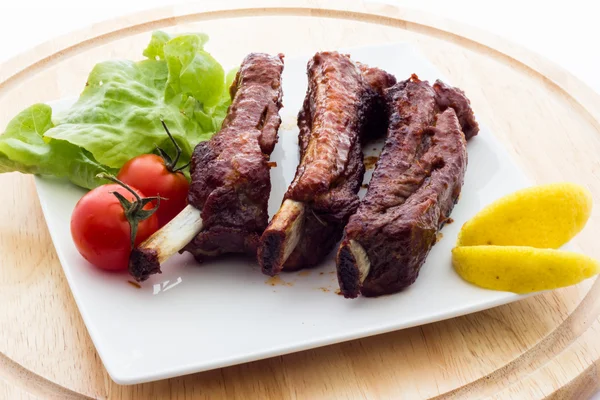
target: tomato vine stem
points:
(133, 210)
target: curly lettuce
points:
(117, 116)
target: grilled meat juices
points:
(414, 187)
(343, 104)
(230, 187)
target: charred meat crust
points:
(269, 253)
(340, 109)
(377, 79)
(414, 187)
(330, 122)
(230, 173)
(347, 273)
(143, 263)
(451, 97)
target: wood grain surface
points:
(545, 346)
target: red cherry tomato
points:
(149, 174)
(101, 231)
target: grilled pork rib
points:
(414, 187)
(344, 102)
(230, 188)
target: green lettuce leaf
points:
(23, 149)
(117, 116)
(155, 49)
(192, 71)
(157, 43)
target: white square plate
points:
(194, 318)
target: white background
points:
(566, 32)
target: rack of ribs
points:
(414, 187)
(230, 187)
(344, 104)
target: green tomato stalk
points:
(171, 164)
(133, 210)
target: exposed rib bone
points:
(353, 267)
(281, 237)
(362, 260)
(147, 257)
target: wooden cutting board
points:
(544, 346)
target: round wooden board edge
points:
(584, 318)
